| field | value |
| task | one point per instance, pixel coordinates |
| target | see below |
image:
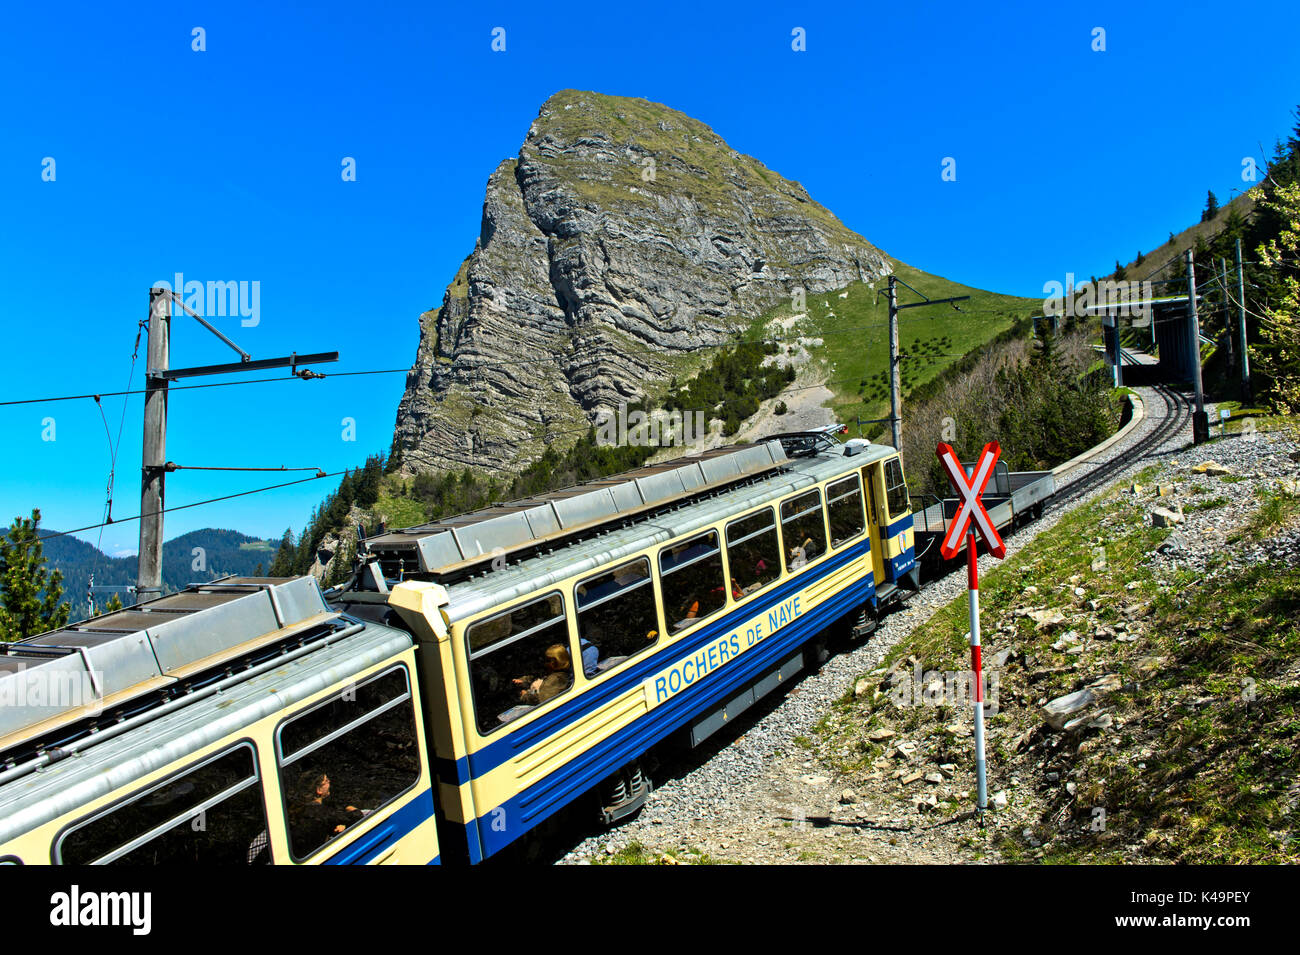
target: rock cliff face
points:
(625, 238)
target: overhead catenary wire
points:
(547, 435)
(181, 507)
(113, 448)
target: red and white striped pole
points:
(973, 584)
(970, 515)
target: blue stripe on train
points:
(506, 748)
(517, 815)
(451, 771)
(901, 564)
(904, 523)
(387, 833)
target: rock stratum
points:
(623, 243)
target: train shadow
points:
(670, 761)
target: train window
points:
(518, 660)
(896, 489)
(345, 758)
(616, 613)
(753, 553)
(691, 576)
(803, 528)
(211, 814)
(844, 505)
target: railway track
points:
(1178, 411)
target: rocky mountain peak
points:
(622, 239)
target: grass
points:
(854, 354)
(1277, 508)
(637, 854)
(1202, 761)
(396, 510)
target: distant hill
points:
(223, 552)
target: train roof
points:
(469, 597)
(456, 544)
(61, 676)
(36, 798)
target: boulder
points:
(1163, 517)
(1060, 710)
(1212, 469)
(1044, 619)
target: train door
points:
(877, 519)
(896, 525)
(420, 605)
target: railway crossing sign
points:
(972, 508)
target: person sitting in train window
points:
(590, 657)
(556, 681)
(737, 591)
(314, 811)
(760, 569)
(799, 553)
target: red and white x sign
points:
(971, 489)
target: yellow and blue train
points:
(476, 676)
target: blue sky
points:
(225, 165)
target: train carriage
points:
(564, 653)
(202, 727)
(476, 675)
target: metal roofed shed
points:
(457, 543)
(65, 675)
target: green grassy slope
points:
(854, 354)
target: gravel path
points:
(747, 798)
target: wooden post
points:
(1246, 395)
(895, 375)
(1200, 424)
(154, 455)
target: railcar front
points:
(551, 676)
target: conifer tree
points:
(30, 595)
(1211, 206)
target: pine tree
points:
(282, 565)
(30, 596)
(1211, 206)
(114, 604)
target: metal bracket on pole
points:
(895, 371)
(154, 464)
